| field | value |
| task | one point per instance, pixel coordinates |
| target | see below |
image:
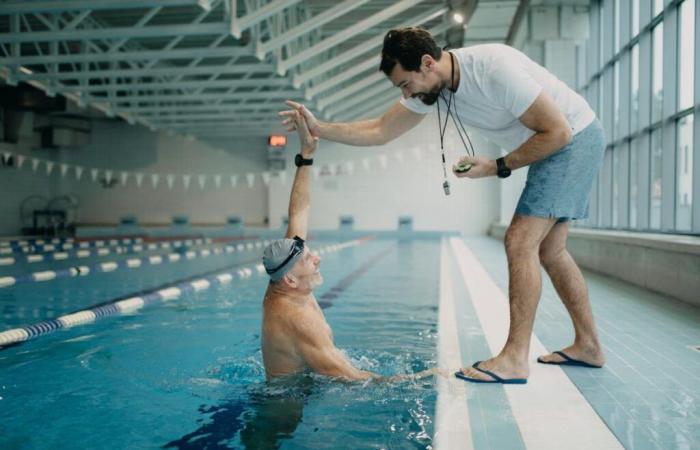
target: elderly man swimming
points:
(295, 334)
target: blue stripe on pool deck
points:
(492, 422)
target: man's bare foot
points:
(592, 355)
(502, 366)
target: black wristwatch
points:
(301, 161)
(501, 169)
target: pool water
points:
(189, 374)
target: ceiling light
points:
(458, 18)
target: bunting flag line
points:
(154, 180)
(339, 168)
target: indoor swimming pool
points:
(185, 370)
(188, 373)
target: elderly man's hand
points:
(308, 142)
(311, 122)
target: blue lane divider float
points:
(32, 245)
(102, 243)
(133, 304)
(31, 241)
(131, 263)
(98, 250)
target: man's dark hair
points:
(407, 46)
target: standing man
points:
(540, 122)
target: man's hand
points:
(308, 142)
(289, 118)
(480, 167)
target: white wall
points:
(122, 147)
(118, 146)
(376, 198)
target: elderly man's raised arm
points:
(300, 197)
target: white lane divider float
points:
(88, 249)
(110, 266)
(130, 305)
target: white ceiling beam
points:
(371, 113)
(194, 116)
(241, 96)
(25, 7)
(341, 36)
(263, 48)
(365, 96)
(116, 33)
(218, 108)
(149, 72)
(252, 18)
(335, 81)
(206, 84)
(360, 49)
(125, 56)
(198, 128)
(390, 95)
(351, 89)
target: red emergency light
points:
(277, 140)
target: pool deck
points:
(646, 397)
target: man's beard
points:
(429, 98)
(315, 281)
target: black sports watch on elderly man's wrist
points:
(501, 169)
(301, 161)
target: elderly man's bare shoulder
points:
(284, 310)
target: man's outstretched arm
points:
(392, 124)
(300, 197)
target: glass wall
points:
(644, 90)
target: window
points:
(601, 101)
(616, 100)
(615, 186)
(657, 89)
(658, 7)
(601, 28)
(634, 97)
(616, 26)
(634, 171)
(686, 50)
(647, 181)
(684, 174)
(655, 184)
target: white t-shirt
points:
(497, 84)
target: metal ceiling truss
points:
(209, 68)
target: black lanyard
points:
(469, 148)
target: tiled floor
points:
(648, 394)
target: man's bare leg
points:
(522, 242)
(571, 287)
